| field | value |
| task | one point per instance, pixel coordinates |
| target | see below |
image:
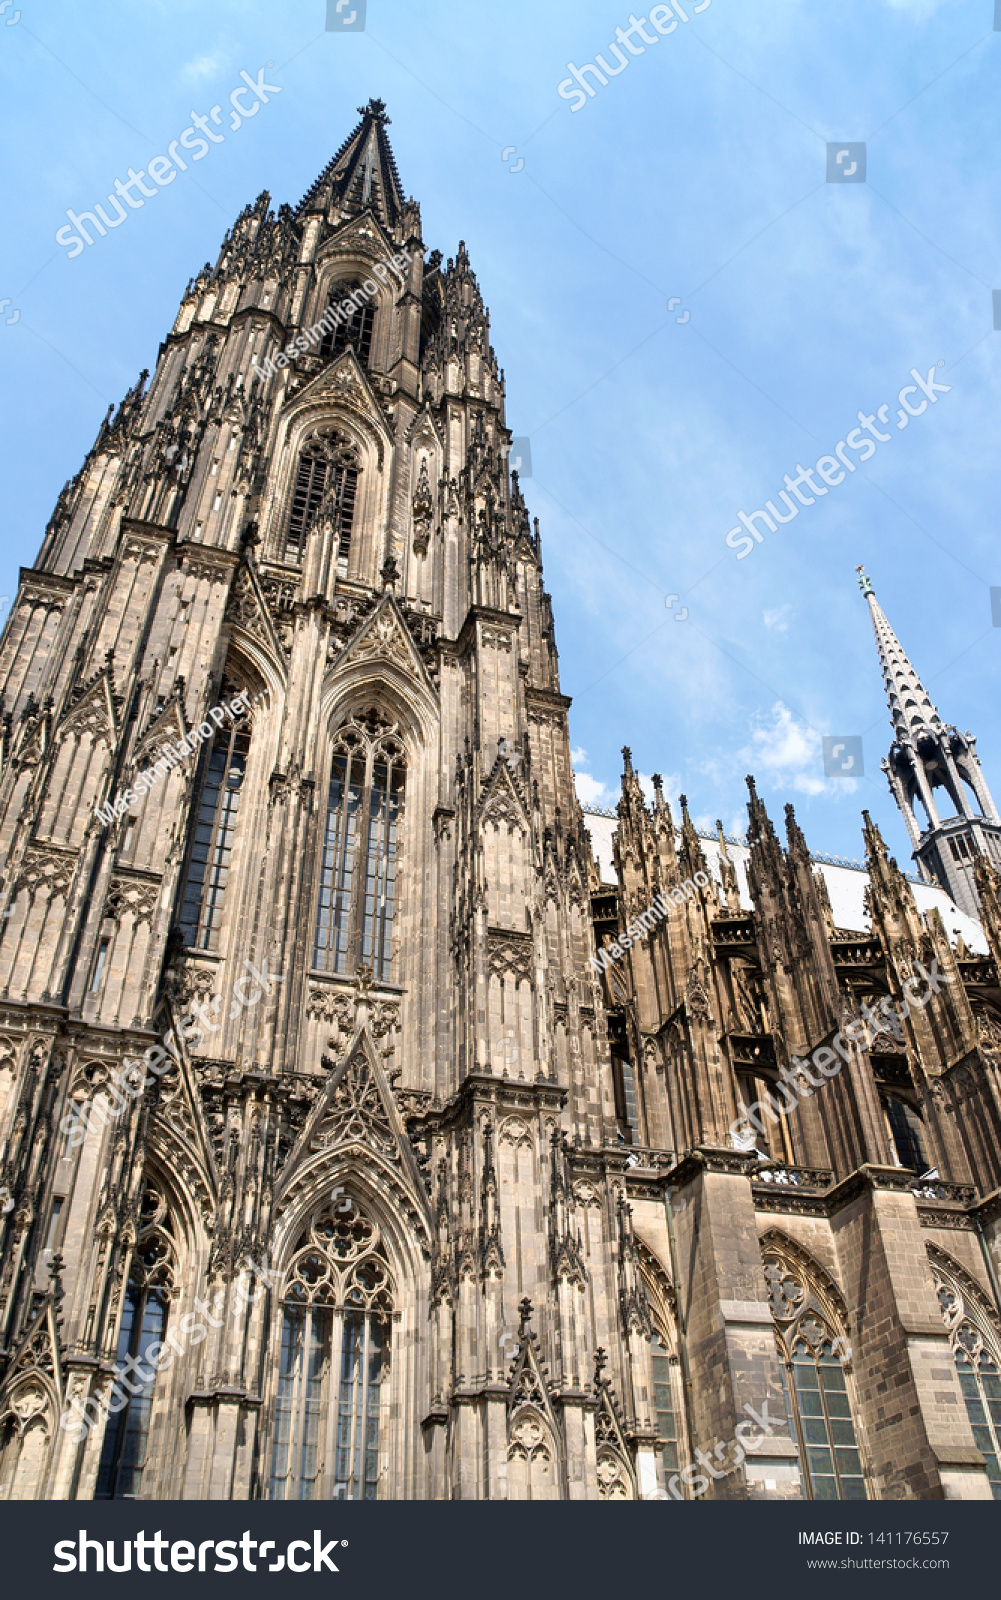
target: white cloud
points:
(775, 621)
(201, 68)
(790, 754)
(579, 756)
(592, 793)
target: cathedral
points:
(374, 1122)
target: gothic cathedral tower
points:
(334, 1162)
(287, 811)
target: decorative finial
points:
(376, 109)
(864, 582)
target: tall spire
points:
(910, 704)
(928, 755)
(362, 172)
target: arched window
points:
(978, 1361)
(907, 1133)
(815, 1357)
(355, 330)
(144, 1320)
(333, 1399)
(326, 486)
(354, 916)
(212, 846)
(663, 1404)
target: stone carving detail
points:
(385, 639)
(356, 1112)
(244, 608)
(510, 953)
(422, 510)
(515, 1132)
(496, 639)
(132, 894)
(187, 981)
(47, 868)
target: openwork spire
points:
(910, 704)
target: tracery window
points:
(144, 1321)
(978, 1362)
(816, 1358)
(212, 846)
(355, 331)
(326, 487)
(357, 897)
(332, 1402)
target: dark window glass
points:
(663, 1405)
(123, 1455)
(981, 1385)
(905, 1125)
(354, 915)
(319, 481)
(208, 865)
(354, 331)
(819, 1412)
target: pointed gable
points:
(384, 637)
(357, 1114)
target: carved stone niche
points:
(422, 510)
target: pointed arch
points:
(812, 1335)
(149, 1293)
(663, 1379)
(975, 1339)
(333, 1395)
(534, 1458)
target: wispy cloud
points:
(776, 621)
(201, 68)
(788, 753)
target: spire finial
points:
(864, 582)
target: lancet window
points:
(144, 1321)
(333, 1379)
(816, 1374)
(356, 329)
(976, 1351)
(212, 846)
(907, 1133)
(325, 489)
(357, 895)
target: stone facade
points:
(334, 1161)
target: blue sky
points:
(698, 173)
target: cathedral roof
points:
(846, 881)
(363, 171)
(910, 704)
